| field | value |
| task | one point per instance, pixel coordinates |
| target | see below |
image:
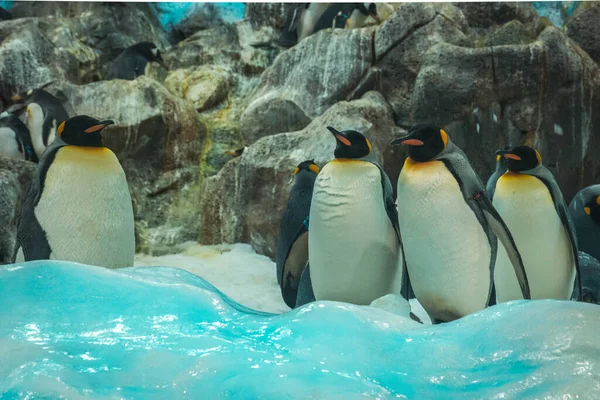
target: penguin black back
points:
(132, 62)
(585, 212)
(292, 241)
(8, 120)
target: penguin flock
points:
(447, 240)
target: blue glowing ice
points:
(155, 332)
(171, 13)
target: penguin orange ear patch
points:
(296, 170)
(314, 168)
(539, 157)
(60, 129)
(369, 144)
(444, 136)
(498, 158)
(598, 200)
(95, 128)
(587, 210)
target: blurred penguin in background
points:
(292, 238)
(44, 113)
(15, 141)
(585, 212)
(132, 62)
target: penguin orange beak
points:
(100, 126)
(339, 136)
(408, 140)
(507, 154)
(16, 98)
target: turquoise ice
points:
(161, 333)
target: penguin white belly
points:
(526, 206)
(85, 208)
(446, 249)
(353, 253)
(9, 147)
(35, 124)
(310, 17)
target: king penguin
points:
(501, 168)
(78, 207)
(44, 114)
(346, 15)
(15, 141)
(531, 203)
(585, 212)
(292, 238)
(449, 228)
(354, 246)
(308, 19)
(132, 62)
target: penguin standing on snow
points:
(44, 114)
(449, 228)
(501, 168)
(354, 246)
(292, 238)
(15, 141)
(531, 203)
(585, 212)
(78, 207)
(132, 62)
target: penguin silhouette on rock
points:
(449, 228)
(354, 245)
(585, 212)
(132, 62)
(292, 238)
(78, 207)
(531, 203)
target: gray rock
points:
(15, 176)
(513, 32)
(486, 15)
(244, 201)
(583, 28)
(204, 86)
(312, 76)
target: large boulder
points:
(15, 176)
(244, 201)
(306, 80)
(583, 28)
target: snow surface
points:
(80, 332)
(241, 274)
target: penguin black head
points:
(592, 208)
(150, 52)
(521, 158)
(425, 141)
(308, 165)
(350, 144)
(83, 131)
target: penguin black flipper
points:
(305, 290)
(292, 269)
(392, 212)
(543, 174)
(31, 237)
(475, 196)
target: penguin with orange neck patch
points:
(78, 207)
(354, 246)
(585, 212)
(449, 228)
(531, 203)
